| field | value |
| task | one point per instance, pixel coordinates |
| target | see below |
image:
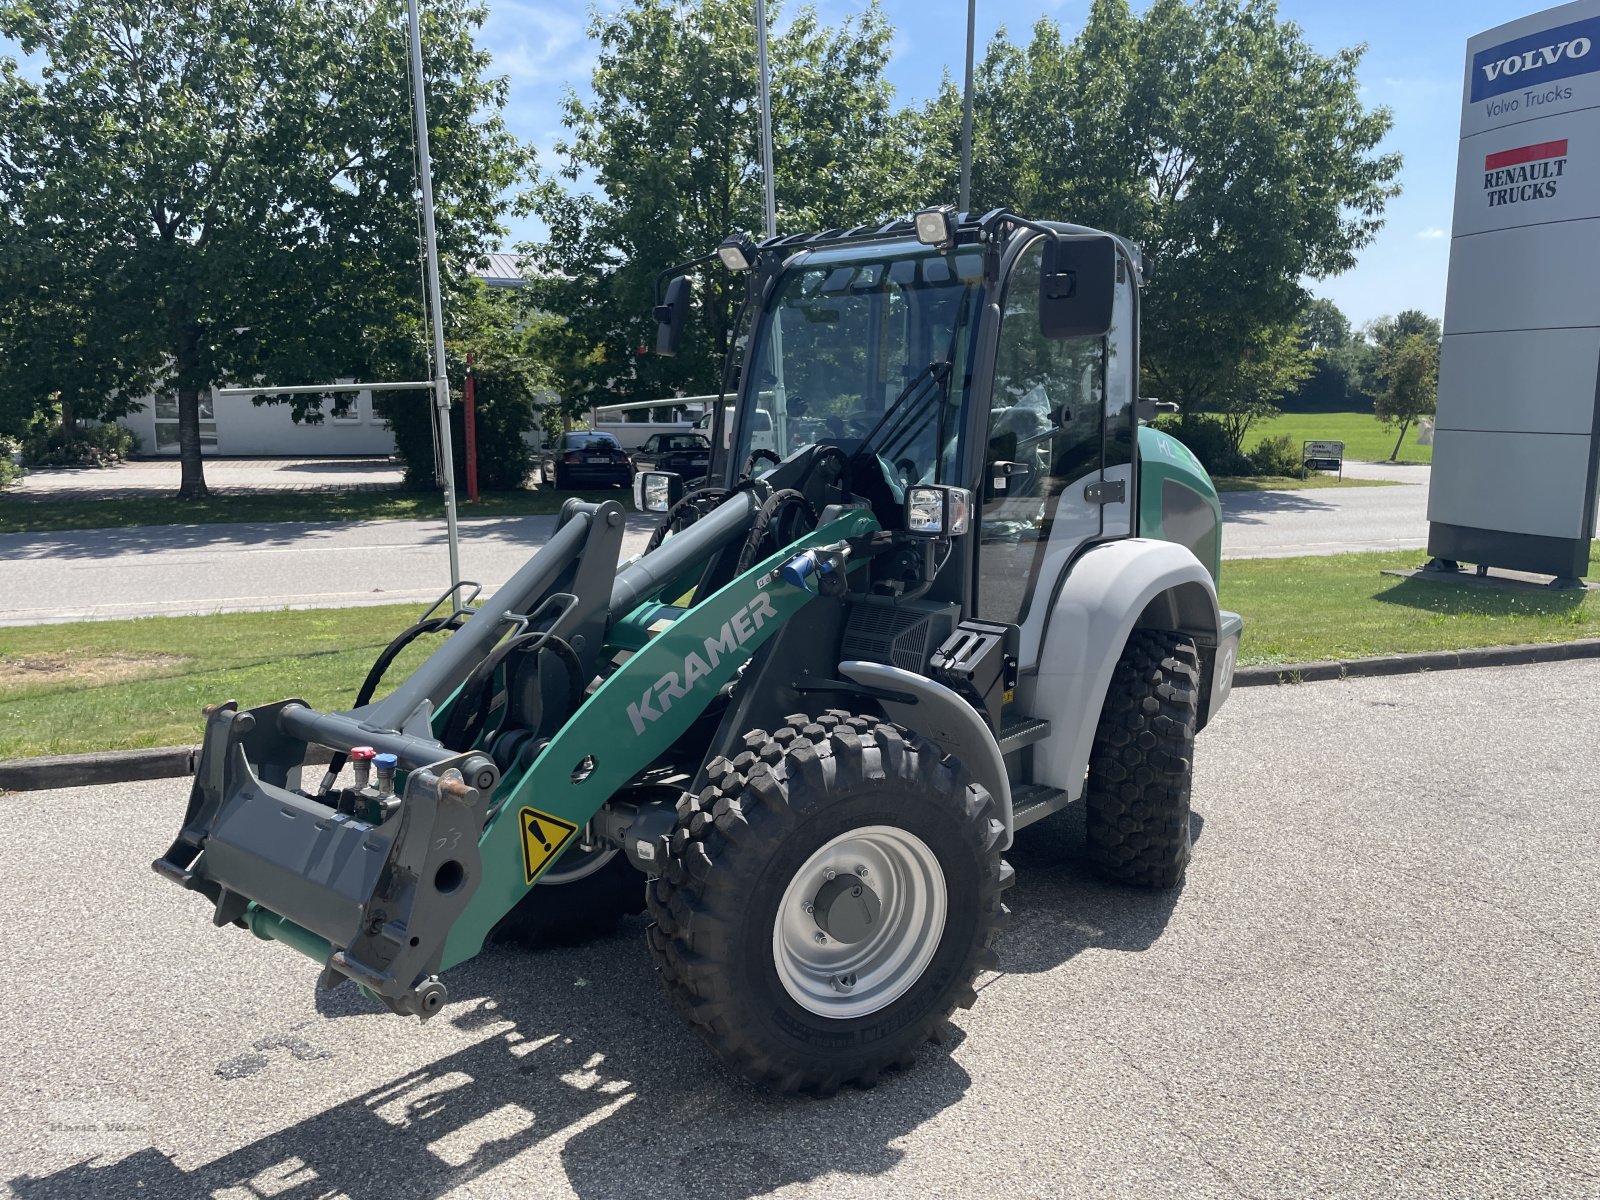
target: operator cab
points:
(954, 364)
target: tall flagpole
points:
(766, 118)
(441, 378)
(966, 113)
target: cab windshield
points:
(850, 332)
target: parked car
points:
(584, 458)
(688, 454)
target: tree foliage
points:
(226, 190)
(492, 328)
(1408, 378)
(671, 140)
(1211, 133)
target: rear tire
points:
(771, 852)
(1142, 763)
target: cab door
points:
(1045, 487)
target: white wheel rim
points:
(842, 980)
(577, 864)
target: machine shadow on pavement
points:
(1060, 907)
(580, 1057)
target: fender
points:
(944, 717)
(1111, 590)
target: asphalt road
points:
(1330, 520)
(167, 570)
(171, 570)
(1380, 980)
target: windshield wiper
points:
(937, 371)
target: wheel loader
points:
(943, 580)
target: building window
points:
(166, 414)
(346, 408)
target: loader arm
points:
(389, 898)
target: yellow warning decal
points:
(543, 836)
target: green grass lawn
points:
(1365, 438)
(122, 684)
(1342, 606)
(1290, 483)
(46, 516)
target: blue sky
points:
(1413, 66)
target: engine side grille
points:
(902, 636)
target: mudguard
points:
(938, 713)
(1112, 589)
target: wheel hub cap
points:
(847, 910)
(859, 922)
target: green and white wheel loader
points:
(941, 583)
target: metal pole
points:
(966, 113)
(311, 389)
(469, 422)
(441, 379)
(766, 118)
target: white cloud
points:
(1431, 234)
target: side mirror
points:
(657, 491)
(1077, 285)
(670, 317)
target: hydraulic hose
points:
(766, 523)
(380, 667)
(476, 699)
(669, 523)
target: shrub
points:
(1278, 456)
(1208, 441)
(505, 410)
(11, 468)
(94, 446)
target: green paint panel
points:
(1177, 500)
(632, 718)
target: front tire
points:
(1142, 763)
(828, 901)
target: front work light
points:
(936, 226)
(938, 511)
(737, 252)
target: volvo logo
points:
(1544, 56)
(1536, 59)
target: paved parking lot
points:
(1380, 980)
(228, 476)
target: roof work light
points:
(737, 252)
(936, 226)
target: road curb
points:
(1407, 664)
(168, 762)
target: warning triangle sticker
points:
(543, 837)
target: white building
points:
(237, 426)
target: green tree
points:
(1408, 378)
(1273, 365)
(494, 329)
(237, 177)
(672, 141)
(1326, 327)
(1211, 133)
(1384, 332)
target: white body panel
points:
(1101, 601)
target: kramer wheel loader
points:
(969, 588)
